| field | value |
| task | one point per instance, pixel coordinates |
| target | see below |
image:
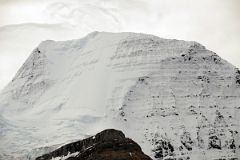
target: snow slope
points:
(174, 98)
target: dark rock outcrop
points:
(109, 144)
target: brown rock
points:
(107, 145)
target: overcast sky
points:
(25, 23)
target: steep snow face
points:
(175, 98)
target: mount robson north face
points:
(174, 98)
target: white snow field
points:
(176, 99)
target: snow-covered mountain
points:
(176, 99)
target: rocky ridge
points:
(109, 144)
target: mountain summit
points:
(176, 99)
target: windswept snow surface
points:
(174, 98)
(66, 157)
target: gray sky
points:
(25, 23)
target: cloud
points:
(85, 16)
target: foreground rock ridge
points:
(175, 98)
(109, 144)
